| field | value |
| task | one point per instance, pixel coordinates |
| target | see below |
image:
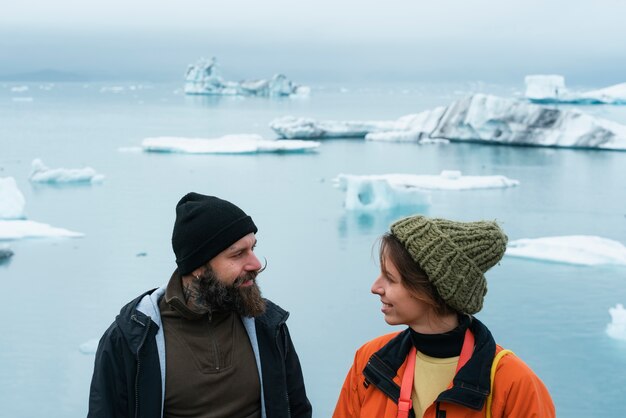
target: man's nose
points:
(253, 263)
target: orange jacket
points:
(371, 388)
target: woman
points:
(432, 280)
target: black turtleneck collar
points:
(444, 345)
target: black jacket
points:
(127, 375)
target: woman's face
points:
(399, 304)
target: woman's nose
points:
(377, 288)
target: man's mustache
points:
(251, 275)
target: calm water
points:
(57, 294)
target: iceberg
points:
(204, 78)
(228, 144)
(491, 119)
(573, 249)
(617, 328)
(42, 174)
(477, 118)
(551, 89)
(19, 229)
(377, 192)
(11, 199)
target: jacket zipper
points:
(284, 352)
(143, 340)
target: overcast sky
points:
(321, 39)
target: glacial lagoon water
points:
(60, 293)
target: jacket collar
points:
(471, 385)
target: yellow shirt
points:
(432, 376)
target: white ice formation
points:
(11, 199)
(228, 144)
(477, 118)
(617, 328)
(19, 229)
(573, 249)
(13, 224)
(204, 78)
(551, 89)
(42, 174)
(376, 192)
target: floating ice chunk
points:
(229, 144)
(305, 128)
(374, 192)
(543, 88)
(204, 78)
(42, 174)
(11, 199)
(89, 347)
(572, 249)
(18, 229)
(411, 128)
(19, 89)
(551, 89)
(494, 119)
(617, 328)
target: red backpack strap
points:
(405, 403)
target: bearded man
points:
(207, 344)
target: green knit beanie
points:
(454, 255)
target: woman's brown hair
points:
(414, 278)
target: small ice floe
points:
(376, 192)
(13, 224)
(89, 347)
(477, 118)
(573, 249)
(19, 229)
(204, 78)
(42, 174)
(11, 199)
(22, 99)
(19, 89)
(112, 89)
(551, 89)
(617, 328)
(228, 144)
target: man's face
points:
(229, 280)
(236, 261)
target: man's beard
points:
(246, 301)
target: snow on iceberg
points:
(19, 229)
(412, 128)
(492, 119)
(11, 199)
(228, 144)
(42, 174)
(573, 249)
(376, 192)
(551, 89)
(617, 328)
(204, 78)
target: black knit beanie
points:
(205, 226)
